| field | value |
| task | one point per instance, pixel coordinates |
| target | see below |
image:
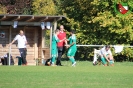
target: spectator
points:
(21, 46)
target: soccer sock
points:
(72, 59)
(53, 59)
(102, 58)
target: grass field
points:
(84, 75)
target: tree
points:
(2, 9)
(43, 7)
(16, 6)
(97, 23)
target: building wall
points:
(33, 35)
(4, 41)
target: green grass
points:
(84, 75)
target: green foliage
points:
(2, 9)
(47, 38)
(27, 11)
(43, 7)
(96, 22)
(16, 6)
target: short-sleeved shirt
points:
(54, 45)
(104, 52)
(61, 36)
(55, 40)
(72, 39)
(21, 41)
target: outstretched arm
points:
(71, 44)
(12, 42)
(65, 41)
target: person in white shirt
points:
(106, 56)
(21, 39)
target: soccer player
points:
(72, 47)
(106, 56)
(54, 46)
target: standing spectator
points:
(61, 45)
(21, 46)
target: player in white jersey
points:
(106, 55)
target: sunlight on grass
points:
(84, 75)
